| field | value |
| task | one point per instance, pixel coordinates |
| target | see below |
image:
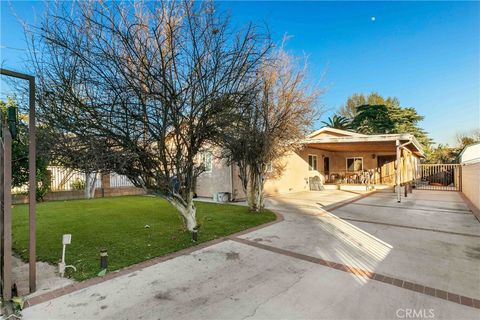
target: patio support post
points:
(397, 171)
(7, 215)
(32, 186)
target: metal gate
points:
(447, 177)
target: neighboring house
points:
(335, 156)
(470, 162)
(218, 175)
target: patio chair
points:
(316, 183)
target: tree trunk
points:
(90, 180)
(243, 175)
(187, 210)
(255, 196)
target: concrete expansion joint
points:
(438, 293)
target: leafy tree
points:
(446, 154)
(20, 154)
(374, 114)
(338, 122)
(349, 110)
(441, 154)
(373, 119)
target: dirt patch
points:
(163, 296)
(233, 255)
(48, 278)
(103, 307)
(473, 252)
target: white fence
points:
(119, 181)
(64, 179)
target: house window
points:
(312, 162)
(354, 164)
(206, 161)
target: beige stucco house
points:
(336, 157)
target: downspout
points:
(397, 169)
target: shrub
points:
(78, 184)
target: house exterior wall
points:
(338, 161)
(294, 172)
(471, 184)
(291, 173)
(218, 180)
(470, 161)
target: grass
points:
(118, 224)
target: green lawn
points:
(118, 224)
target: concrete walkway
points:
(370, 259)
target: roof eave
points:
(369, 138)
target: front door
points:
(386, 165)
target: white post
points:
(397, 172)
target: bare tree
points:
(466, 138)
(271, 123)
(144, 86)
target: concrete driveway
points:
(369, 259)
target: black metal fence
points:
(445, 177)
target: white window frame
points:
(203, 155)
(311, 168)
(346, 163)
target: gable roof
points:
(335, 132)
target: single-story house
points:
(336, 157)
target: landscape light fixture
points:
(103, 259)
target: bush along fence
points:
(68, 184)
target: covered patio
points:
(344, 157)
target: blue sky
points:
(425, 53)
